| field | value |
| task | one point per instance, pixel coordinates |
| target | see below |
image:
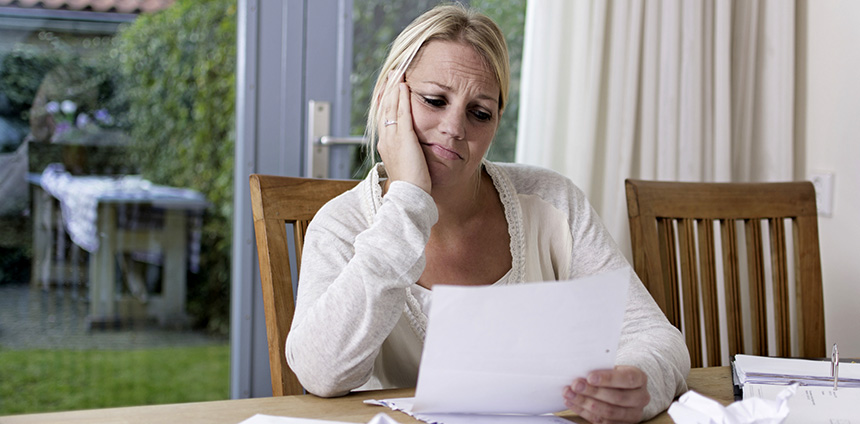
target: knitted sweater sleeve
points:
(648, 341)
(356, 268)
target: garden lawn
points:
(60, 380)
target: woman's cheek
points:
(420, 120)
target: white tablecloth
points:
(79, 198)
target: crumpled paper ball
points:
(382, 418)
(693, 408)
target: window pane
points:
(377, 22)
(116, 145)
(511, 17)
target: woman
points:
(435, 212)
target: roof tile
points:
(115, 6)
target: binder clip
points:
(834, 366)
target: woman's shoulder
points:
(345, 201)
(363, 199)
(345, 209)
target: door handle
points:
(319, 141)
(328, 140)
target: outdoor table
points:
(105, 238)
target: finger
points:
(390, 100)
(622, 377)
(629, 398)
(597, 411)
(404, 108)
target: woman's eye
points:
(481, 115)
(434, 101)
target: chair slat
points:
(779, 270)
(755, 271)
(708, 276)
(690, 290)
(731, 282)
(668, 264)
(300, 229)
(810, 299)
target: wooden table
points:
(713, 382)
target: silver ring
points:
(389, 122)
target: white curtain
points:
(687, 90)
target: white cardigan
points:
(359, 322)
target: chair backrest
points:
(674, 253)
(278, 202)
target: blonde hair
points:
(447, 22)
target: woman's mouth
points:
(442, 152)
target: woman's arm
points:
(353, 283)
(649, 343)
(355, 274)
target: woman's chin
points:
(444, 175)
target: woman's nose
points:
(454, 123)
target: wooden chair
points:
(672, 222)
(277, 202)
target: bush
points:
(33, 75)
(179, 66)
(21, 73)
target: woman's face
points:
(455, 109)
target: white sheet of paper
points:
(512, 349)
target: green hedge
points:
(179, 67)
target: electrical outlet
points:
(823, 182)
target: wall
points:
(832, 136)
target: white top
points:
(359, 320)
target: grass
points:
(60, 380)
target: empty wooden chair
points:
(672, 229)
(278, 202)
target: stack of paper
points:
(815, 401)
(784, 371)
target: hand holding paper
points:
(618, 395)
